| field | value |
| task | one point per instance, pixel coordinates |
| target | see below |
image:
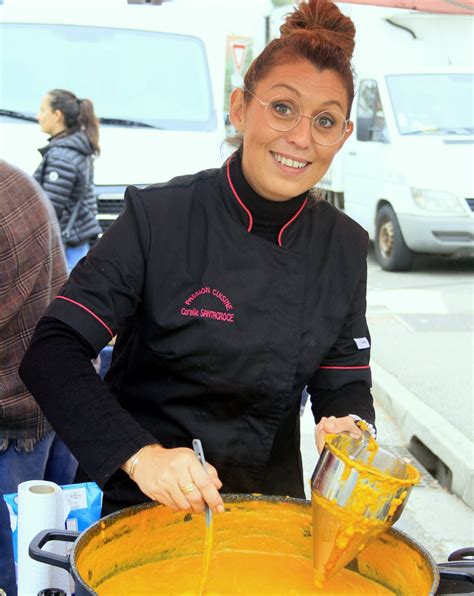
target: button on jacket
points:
(219, 330)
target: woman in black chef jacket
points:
(229, 291)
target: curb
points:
(416, 418)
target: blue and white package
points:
(84, 501)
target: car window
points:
(435, 104)
(157, 78)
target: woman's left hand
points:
(333, 425)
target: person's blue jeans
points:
(49, 460)
(75, 253)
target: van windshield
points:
(436, 104)
(133, 77)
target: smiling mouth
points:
(291, 163)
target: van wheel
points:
(390, 249)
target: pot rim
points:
(108, 520)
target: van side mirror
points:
(378, 135)
(364, 128)
(368, 129)
(371, 125)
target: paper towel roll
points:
(40, 507)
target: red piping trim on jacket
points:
(239, 200)
(241, 203)
(345, 367)
(87, 310)
(292, 219)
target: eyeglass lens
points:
(282, 114)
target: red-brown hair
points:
(316, 31)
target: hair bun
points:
(323, 21)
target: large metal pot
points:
(151, 532)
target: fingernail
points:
(220, 508)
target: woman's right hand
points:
(176, 478)
(333, 425)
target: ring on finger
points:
(188, 488)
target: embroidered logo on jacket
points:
(190, 310)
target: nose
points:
(301, 134)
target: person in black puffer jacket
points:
(66, 171)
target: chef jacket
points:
(219, 330)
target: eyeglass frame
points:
(267, 103)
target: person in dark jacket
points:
(66, 171)
(229, 291)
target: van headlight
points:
(437, 201)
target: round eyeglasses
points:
(283, 114)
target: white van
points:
(154, 72)
(406, 173)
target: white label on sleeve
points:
(53, 176)
(76, 498)
(362, 343)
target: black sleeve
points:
(341, 385)
(104, 290)
(57, 369)
(353, 398)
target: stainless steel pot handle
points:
(35, 549)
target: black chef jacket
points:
(219, 330)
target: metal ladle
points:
(199, 451)
(208, 539)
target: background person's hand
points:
(333, 425)
(176, 478)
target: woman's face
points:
(264, 148)
(51, 122)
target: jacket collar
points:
(76, 141)
(239, 198)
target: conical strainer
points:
(358, 491)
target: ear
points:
(58, 116)
(237, 109)
(347, 134)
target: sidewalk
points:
(418, 419)
(439, 521)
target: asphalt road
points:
(421, 324)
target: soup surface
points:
(237, 572)
(258, 547)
